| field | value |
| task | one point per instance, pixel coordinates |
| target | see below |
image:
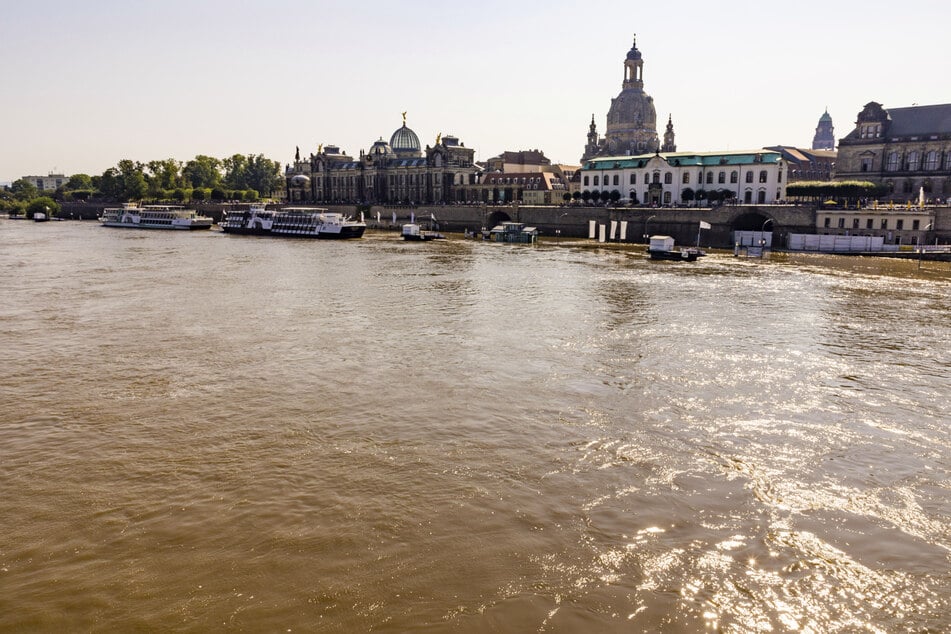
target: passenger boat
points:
(662, 248)
(415, 232)
(154, 217)
(302, 222)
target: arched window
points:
(585, 180)
(709, 178)
(597, 180)
(615, 179)
(633, 179)
(891, 162)
(913, 159)
(686, 178)
(762, 176)
(647, 178)
(734, 177)
(721, 177)
(657, 177)
(668, 178)
(931, 161)
(749, 177)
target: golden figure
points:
(438, 138)
(404, 117)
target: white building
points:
(675, 178)
(48, 183)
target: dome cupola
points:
(405, 143)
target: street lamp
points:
(647, 235)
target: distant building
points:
(807, 165)
(631, 120)
(825, 133)
(753, 177)
(907, 149)
(526, 176)
(396, 172)
(49, 183)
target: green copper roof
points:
(685, 159)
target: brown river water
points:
(205, 432)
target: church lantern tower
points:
(669, 144)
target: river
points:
(201, 431)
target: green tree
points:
(615, 195)
(202, 171)
(236, 171)
(586, 195)
(566, 197)
(43, 204)
(110, 184)
(79, 181)
(23, 189)
(165, 174)
(687, 195)
(576, 195)
(132, 178)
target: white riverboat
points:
(302, 222)
(131, 216)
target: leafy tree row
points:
(202, 178)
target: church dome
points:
(405, 142)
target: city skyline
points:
(90, 86)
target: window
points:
(597, 180)
(866, 164)
(841, 223)
(647, 178)
(666, 198)
(931, 161)
(916, 225)
(585, 180)
(633, 179)
(855, 223)
(884, 223)
(762, 176)
(899, 225)
(912, 164)
(749, 177)
(869, 224)
(686, 178)
(615, 179)
(891, 162)
(721, 177)
(709, 178)
(734, 177)
(657, 178)
(828, 222)
(668, 178)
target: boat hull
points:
(674, 256)
(145, 225)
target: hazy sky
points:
(86, 84)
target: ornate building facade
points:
(400, 171)
(907, 149)
(825, 133)
(631, 120)
(757, 177)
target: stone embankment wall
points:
(572, 221)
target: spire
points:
(669, 144)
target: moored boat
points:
(302, 222)
(131, 216)
(662, 248)
(513, 232)
(415, 232)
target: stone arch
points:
(497, 218)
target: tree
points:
(236, 172)
(576, 195)
(586, 195)
(700, 194)
(687, 195)
(202, 171)
(566, 197)
(615, 195)
(43, 204)
(23, 189)
(79, 181)
(132, 179)
(165, 174)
